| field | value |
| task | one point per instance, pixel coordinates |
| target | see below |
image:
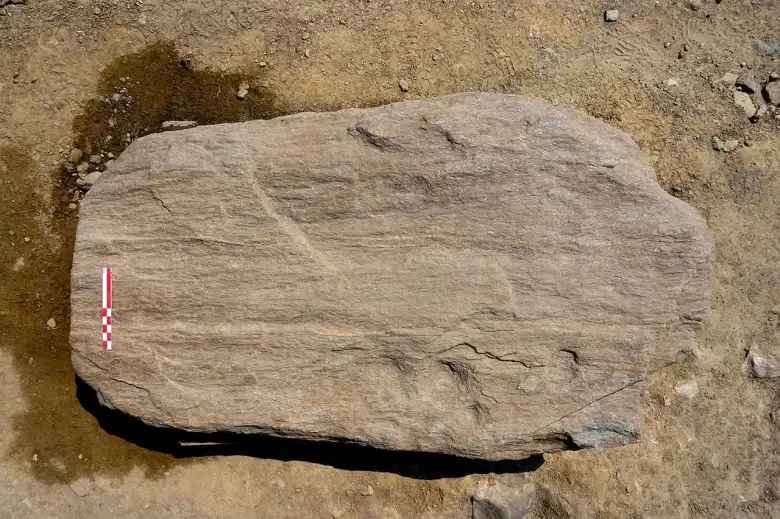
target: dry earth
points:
(650, 73)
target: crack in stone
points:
(115, 379)
(492, 356)
(162, 202)
(630, 384)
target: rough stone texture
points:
(498, 501)
(762, 365)
(480, 274)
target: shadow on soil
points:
(183, 444)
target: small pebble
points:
(72, 206)
(369, 491)
(611, 15)
(83, 167)
(35, 457)
(307, 53)
(774, 76)
(11, 233)
(89, 181)
(94, 159)
(305, 36)
(26, 239)
(403, 85)
(688, 388)
(75, 155)
(263, 64)
(51, 323)
(243, 90)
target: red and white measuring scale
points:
(106, 308)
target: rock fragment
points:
(178, 125)
(497, 501)
(761, 365)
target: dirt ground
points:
(652, 73)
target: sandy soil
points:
(651, 73)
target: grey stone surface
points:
(496, 501)
(479, 274)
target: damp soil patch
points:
(56, 436)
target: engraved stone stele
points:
(481, 275)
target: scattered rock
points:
(72, 206)
(307, 53)
(695, 5)
(774, 76)
(35, 457)
(26, 239)
(727, 146)
(82, 168)
(322, 238)
(497, 501)
(747, 83)
(51, 323)
(368, 491)
(94, 159)
(75, 155)
(761, 365)
(743, 100)
(768, 47)
(109, 164)
(243, 90)
(611, 15)
(403, 85)
(305, 36)
(180, 125)
(729, 78)
(671, 82)
(88, 181)
(81, 487)
(772, 91)
(688, 388)
(761, 112)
